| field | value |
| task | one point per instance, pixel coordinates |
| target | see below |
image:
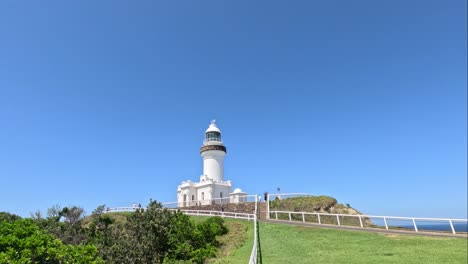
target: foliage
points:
(151, 235)
(155, 235)
(22, 241)
(65, 224)
(4, 216)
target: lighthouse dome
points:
(213, 127)
(237, 190)
(213, 134)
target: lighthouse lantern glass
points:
(213, 136)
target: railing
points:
(253, 255)
(122, 209)
(385, 219)
(218, 213)
(213, 201)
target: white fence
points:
(253, 255)
(122, 209)
(362, 218)
(213, 201)
(218, 213)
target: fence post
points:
(257, 209)
(289, 216)
(385, 221)
(451, 226)
(235, 215)
(338, 219)
(415, 227)
(268, 206)
(360, 221)
(303, 219)
(318, 217)
(276, 215)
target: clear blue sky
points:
(106, 102)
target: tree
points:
(54, 212)
(70, 230)
(4, 216)
(22, 241)
(73, 215)
(156, 235)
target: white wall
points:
(213, 164)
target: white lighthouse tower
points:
(212, 189)
(213, 152)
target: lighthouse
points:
(212, 188)
(213, 152)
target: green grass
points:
(282, 243)
(293, 244)
(237, 244)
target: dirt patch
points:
(393, 236)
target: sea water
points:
(423, 225)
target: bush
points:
(4, 216)
(22, 241)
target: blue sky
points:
(106, 102)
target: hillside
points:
(320, 204)
(282, 243)
(295, 244)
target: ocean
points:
(459, 227)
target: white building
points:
(211, 188)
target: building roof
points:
(213, 127)
(237, 190)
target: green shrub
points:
(4, 216)
(22, 241)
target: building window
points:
(193, 197)
(221, 195)
(203, 196)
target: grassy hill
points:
(294, 244)
(321, 204)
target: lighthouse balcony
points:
(212, 147)
(212, 142)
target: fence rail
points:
(217, 213)
(449, 221)
(122, 209)
(250, 198)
